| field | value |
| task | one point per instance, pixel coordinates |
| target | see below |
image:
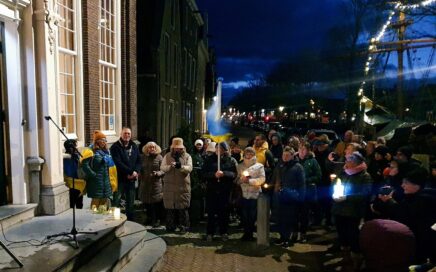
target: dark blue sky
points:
(250, 36)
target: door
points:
(4, 178)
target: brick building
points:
(172, 65)
(74, 61)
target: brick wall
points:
(91, 73)
(128, 65)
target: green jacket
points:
(97, 172)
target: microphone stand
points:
(11, 254)
(73, 233)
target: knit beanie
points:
(98, 135)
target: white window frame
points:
(78, 133)
(112, 135)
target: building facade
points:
(172, 64)
(63, 63)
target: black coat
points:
(291, 175)
(418, 212)
(228, 166)
(127, 159)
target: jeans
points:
(249, 213)
(126, 189)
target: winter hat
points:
(382, 150)
(198, 142)
(355, 157)
(211, 147)
(98, 135)
(224, 146)
(177, 143)
(417, 176)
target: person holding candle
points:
(251, 176)
(219, 174)
(350, 202)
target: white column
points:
(54, 193)
(15, 114)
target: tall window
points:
(175, 66)
(67, 53)
(167, 56)
(108, 64)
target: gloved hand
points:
(178, 165)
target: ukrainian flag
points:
(217, 130)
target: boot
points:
(357, 260)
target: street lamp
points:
(281, 108)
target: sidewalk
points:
(189, 252)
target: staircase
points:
(118, 245)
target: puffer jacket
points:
(150, 189)
(97, 172)
(177, 182)
(256, 172)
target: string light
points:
(372, 47)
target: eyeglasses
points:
(102, 140)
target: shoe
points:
(278, 242)
(209, 238)
(224, 237)
(287, 244)
(170, 229)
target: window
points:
(189, 71)
(108, 64)
(173, 13)
(194, 74)
(185, 66)
(167, 57)
(67, 58)
(175, 66)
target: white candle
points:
(117, 214)
(338, 189)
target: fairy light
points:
(397, 7)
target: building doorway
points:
(5, 179)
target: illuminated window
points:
(108, 64)
(67, 60)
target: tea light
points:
(265, 185)
(117, 214)
(245, 173)
(338, 189)
(94, 208)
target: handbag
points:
(288, 195)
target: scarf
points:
(359, 168)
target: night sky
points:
(250, 36)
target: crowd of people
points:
(219, 181)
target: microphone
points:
(47, 117)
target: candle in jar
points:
(117, 213)
(338, 189)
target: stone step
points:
(120, 251)
(150, 256)
(11, 215)
(58, 254)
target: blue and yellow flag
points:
(218, 132)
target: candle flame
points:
(245, 173)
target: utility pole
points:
(400, 46)
(400, 77)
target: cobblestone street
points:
(189, 252)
